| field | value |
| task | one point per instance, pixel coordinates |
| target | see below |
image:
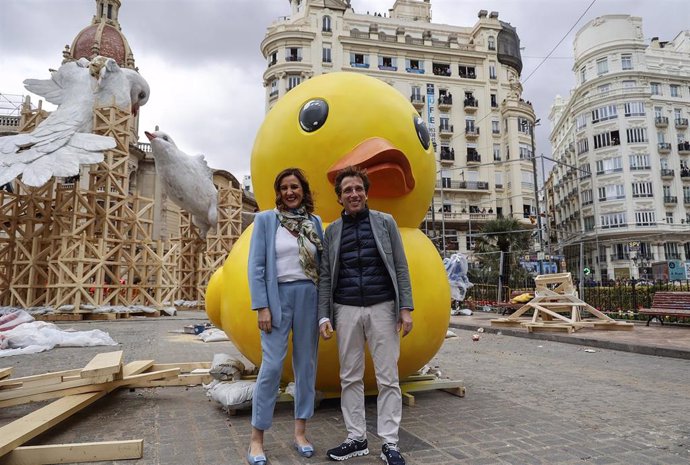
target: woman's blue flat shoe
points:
(305, 451)
(255, 459)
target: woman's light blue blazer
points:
(263, 274)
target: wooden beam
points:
(37, 380)
(29, 426)
(5, 372)
(75, 453)
(107, 363)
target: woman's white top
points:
(287, 256)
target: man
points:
(365, 293)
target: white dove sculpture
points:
(63, 141)
(187, 180)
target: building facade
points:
(621, 182)
(463, 81)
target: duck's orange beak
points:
(387, 167)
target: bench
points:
(510, 306)
(668, 304)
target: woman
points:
(283, 273)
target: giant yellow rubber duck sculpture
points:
(321, 126)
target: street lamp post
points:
(540, 255)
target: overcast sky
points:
(202, 58)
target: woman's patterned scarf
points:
(298, 222)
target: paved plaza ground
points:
(529, 401)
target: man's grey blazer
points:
(389, 245)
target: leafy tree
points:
(505, 235)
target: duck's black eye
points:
(165, 138)
(313, 115)
(142, 94)
(422, 131)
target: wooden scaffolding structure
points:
(556, 307)
(74, 248)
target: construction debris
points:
(76, 389)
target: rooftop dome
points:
(103, 37)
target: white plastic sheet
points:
(456, 270)
(38, 336)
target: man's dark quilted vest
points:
(362, 276)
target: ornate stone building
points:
(622, 184)
(463, 80)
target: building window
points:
(634, 108)
(602, 66)
(655, 88)
(274, 88)
(583, 75)
(359, 60)
(582, 146)
(604, 113)
(523, 125)
(671, 251)
(467, 72)
(636, 135)
(414, 66)
(388, 63)
(326, 55)
(492, 70)
(498, 178)
(606, 139)
(272, 59)
(497, 152)
(589, 223)
(645, 218)
(642, 189)
(604, 88)
(610, 165)
(525, 151)
(587, 198)
(626, 61)
(613, 220)
(293, 54)
(639, 162)
(492, 43)
(495, 127)
(326, 24)
(415, 93)
(293, 81)
(675, 90)
(581, 121)
(629, 85)
(494, 101)
(669, 217)
(440, 69)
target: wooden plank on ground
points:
(185, 367)
(75, 453)
(38, 380)
(29, 426)
(107, 363)
(5, 372)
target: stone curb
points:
(574, 339)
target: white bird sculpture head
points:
(64, 140)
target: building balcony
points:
(686, 200)
(441, 70)
(471, 104)
(661, 121)
(670, 200)
(415, 70)
(355, 64)
(447, 156)
(667, 173)
(664, 147)
(445, 102)
(388, 68)
(685, 174)
(473, 157)
(417, 101)
(616, 257)
(463, 185)
(681, 123)
(684, 148)
(445, 130)
(471, 133)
